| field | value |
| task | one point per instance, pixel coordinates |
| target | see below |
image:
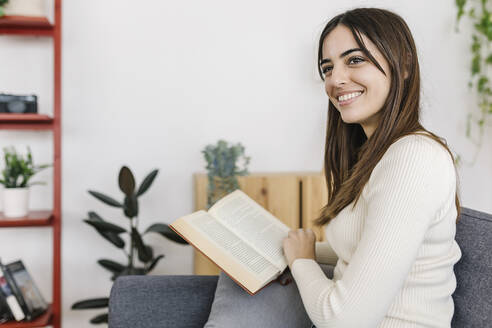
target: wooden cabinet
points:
(295, 198)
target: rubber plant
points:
(223, 169)
(2, 3)
(113, 234)
(481, 37)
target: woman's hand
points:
(299, 244)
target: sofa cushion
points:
(473, 294)
(161, 301)
(274, 306)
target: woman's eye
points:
(356, 59)
(326, 69)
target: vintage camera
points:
(18, 104)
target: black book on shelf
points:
(5, 314)
(9, 295)
(34, 302)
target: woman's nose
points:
(338, 76)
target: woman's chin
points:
(349, 119)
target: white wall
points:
(149, 83)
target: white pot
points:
(15, 202)
(25, 8)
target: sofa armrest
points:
(161, 301)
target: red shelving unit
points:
(33, 219)
(44, 320)
(40, 26)
(21, 25)
(25, 122)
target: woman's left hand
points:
(299, 244)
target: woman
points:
(392, 197)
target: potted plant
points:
(223, 170)
(140, 256)
(32, 8)
(2, 4)
(15, 177)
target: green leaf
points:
(461, 5)
(482, 82)
(489, 59)
(94, 303)
(150, 252)
(101, 318)
(476, 45)
(144, 254)
(147, 182)
(105, 199)
(131, 206)
(165, 231)
(105, 226)
(475, 69)
(126, 181)
(112, 266)
(113, 238)
(93, 215)
(154, 263)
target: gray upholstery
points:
(473, 294)
(185, 301)
(161, 301)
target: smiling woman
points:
(392, 187)
(356, 87)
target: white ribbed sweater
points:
(395, 251)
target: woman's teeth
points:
(349, 96)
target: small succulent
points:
(223, 169)
(19, 170)
(112, 233)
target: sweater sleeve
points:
(325, 254)
(405, 193)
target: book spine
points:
(10, 299)
(5, 313)
(15, 290)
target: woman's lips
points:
(349, 101)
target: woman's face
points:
(355, 86)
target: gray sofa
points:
(185, 301)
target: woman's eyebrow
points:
(345, 53)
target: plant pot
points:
(33, 8)
(219, 187)
(15, 202)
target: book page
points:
(252, 223)
(222, 246)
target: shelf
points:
(22, 25)
(25, 121)
(34, 219)
(41, 321)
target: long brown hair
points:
(349, 156)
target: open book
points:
(240, 237)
